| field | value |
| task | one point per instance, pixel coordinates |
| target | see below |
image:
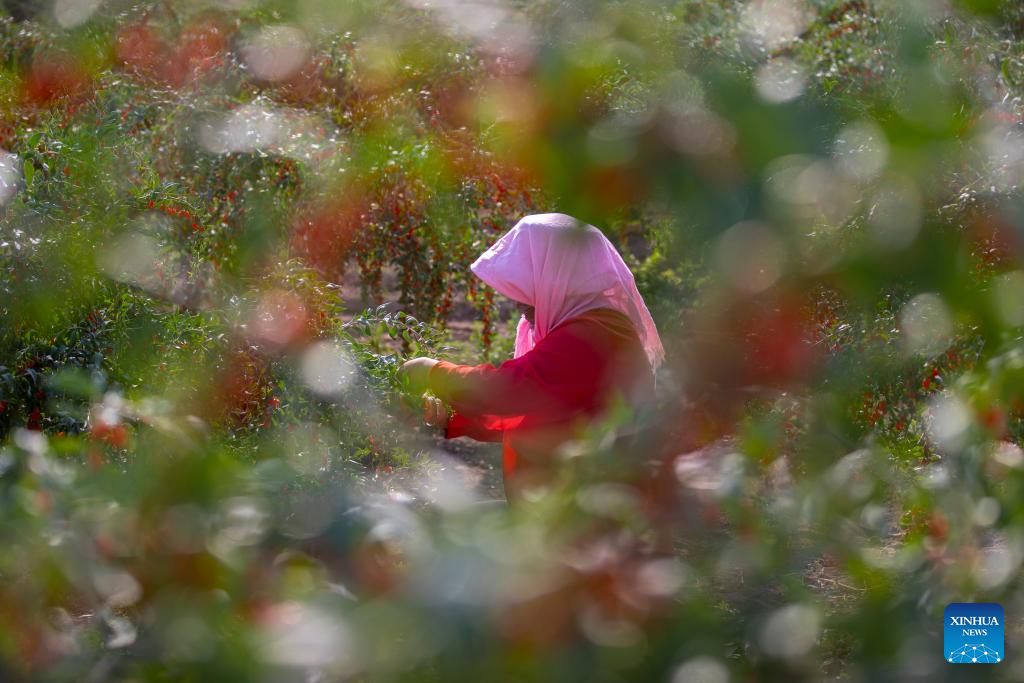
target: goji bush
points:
(225, 226)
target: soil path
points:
(477, 464)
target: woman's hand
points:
(435, 412)
(415, 372)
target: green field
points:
(225, 225)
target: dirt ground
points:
(478, 464)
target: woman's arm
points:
(563, 372)
(457, 423)
(461, 424)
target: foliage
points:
(210, 469)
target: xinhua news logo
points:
(974, 633)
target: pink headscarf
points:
(563, 268)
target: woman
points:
(585, 341)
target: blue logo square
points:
(973, 633)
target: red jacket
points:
(537, 401)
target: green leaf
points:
(988, 8)
(30, 172)
(73, 382)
